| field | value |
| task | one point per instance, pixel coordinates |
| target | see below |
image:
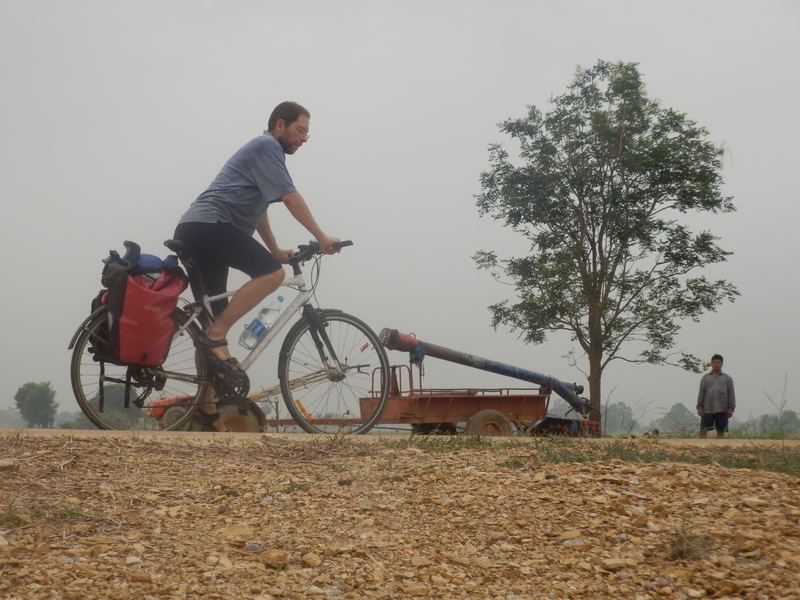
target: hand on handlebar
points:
(326, 244)
(283, 255)
(305, 253)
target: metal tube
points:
(394, 340)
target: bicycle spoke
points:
(100, 385)
(325, 395)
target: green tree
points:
(783, 422)
(599, 183)
(678, 420)
(36, 403)
(618, 418)
(114, 410)
(76, 420)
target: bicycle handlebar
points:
(305, 252)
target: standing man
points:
(219, 227)
(716, 400)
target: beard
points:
(287, 149)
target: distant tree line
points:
(36, 407)
(680, 421)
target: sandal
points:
(207, 344)
(228, 368)
(205, 420)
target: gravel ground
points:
(86, 517)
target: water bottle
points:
(256, 330)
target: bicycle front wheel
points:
(335, 379)
(118, 396)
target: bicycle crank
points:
(231, 385)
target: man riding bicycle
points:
(219, 227)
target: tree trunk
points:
(595, 375)
(595, 354)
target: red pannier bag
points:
(140, 307)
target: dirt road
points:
(91, 515)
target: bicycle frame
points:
(297, 283)
(303, 296)
(324, 363)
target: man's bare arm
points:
(299, 210)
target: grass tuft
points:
(442, 443)
(15, 515)
(686, 545)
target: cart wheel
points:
(172, 415)
(488, 423)
(254, 421)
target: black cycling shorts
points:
(219, 247)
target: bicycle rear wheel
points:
(115, 396)
(344, 387)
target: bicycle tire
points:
(151, 390)
(321, 401)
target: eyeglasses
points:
(301, 131)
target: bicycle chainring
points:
(231, 386)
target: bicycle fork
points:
(327, 354)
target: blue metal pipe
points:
(394, 340)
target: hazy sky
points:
(114, 116)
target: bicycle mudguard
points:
(317, 315)
(97, 312)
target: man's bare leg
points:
(209, 407)
(242, 302)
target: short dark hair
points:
(288, 112)
(717, 357)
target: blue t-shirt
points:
(250, 181)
